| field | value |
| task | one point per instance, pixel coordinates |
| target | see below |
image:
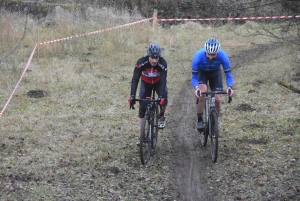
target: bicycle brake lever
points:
(197, 101)
(230, 99)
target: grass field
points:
(78, 141)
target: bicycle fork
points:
(209, 108)
(151, 124)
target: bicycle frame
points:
(210, 121)
(151, 103)
(150, 107)
(210, 102)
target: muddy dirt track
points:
(191, 160)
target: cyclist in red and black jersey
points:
(152, 70)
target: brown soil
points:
(191, 160)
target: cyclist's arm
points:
(226, 68)
(163, 79)
(229, 78)
(135, 79)
(195, 69)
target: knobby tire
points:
(154, 135)
(145, 142)
(214, 134)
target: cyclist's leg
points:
(201, 103)
(202, 79)
(215, 84)
(165, 96)
(162, 120)
(144, 92)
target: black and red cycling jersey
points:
(150, 75)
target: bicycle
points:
(211, 125)
(149, 131)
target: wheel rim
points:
(155, 128)
(145, 145)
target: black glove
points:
(161, 100)
(131, 102)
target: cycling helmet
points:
(212, 46)
(154, 50)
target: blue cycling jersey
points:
(201, 63)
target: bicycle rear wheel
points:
(145, 142)
(214, 134)
(154, 135)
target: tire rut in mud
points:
(190, 159)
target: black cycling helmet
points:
(212, 46)
(154, 50)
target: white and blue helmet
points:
(212, 46)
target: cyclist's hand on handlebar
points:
(197, 92)
(230, 91)
(161, 100)
(131, 102)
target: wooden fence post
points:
(38, 41)
(154, 19)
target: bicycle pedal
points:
(161, 125)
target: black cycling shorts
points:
(145, 91)
(211, 78)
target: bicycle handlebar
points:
(146, 100)
(216, 92)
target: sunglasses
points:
(154, 57)
(211, 54)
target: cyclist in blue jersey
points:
(152, 70)
(206, 68)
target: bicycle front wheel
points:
(214, 134)
(205, 131)
(145, 140)
(154, 135)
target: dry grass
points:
(78, 142)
